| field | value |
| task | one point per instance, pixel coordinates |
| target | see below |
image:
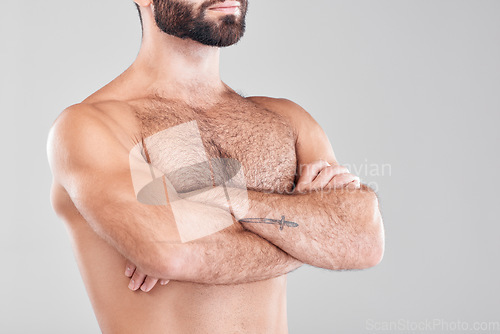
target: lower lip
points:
(227, 10)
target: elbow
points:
(165, 262)
(373, 254)
(363, 246)
(372, 239)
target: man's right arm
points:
(89, 161)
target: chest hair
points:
(236, 132)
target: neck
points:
(175, 68)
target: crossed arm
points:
(341, 230)
(336, 221)
(95, 172)
(335, 229)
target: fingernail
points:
(131, 285)
(163, 282)
(143, 288)
(128, 272)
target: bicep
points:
(94, 168)
(312, 142)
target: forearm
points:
(232, 256)
(334, 229)
(337, 229)
(217, 256)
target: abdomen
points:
(178, 307)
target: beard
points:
(184, 20)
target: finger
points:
(341, 180)
(164, 281)
(137, 280)
(323, 178)
(129, 269)
(148, 284)
(355, 184)
(308, 172)
(326, 175)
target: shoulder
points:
(85, 120)
(76, 121)
(83, 132)
(280, 105)
(110, 112)
(71, 122)
(300, 119)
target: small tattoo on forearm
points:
(281, 222)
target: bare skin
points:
(232, 281)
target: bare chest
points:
(232, 141)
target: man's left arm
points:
(338, 228)
(333, 228)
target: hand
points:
(139, 279)
(320, 175)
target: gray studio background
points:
(410, 84)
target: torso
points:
(264, 143)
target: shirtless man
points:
(298, 205)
